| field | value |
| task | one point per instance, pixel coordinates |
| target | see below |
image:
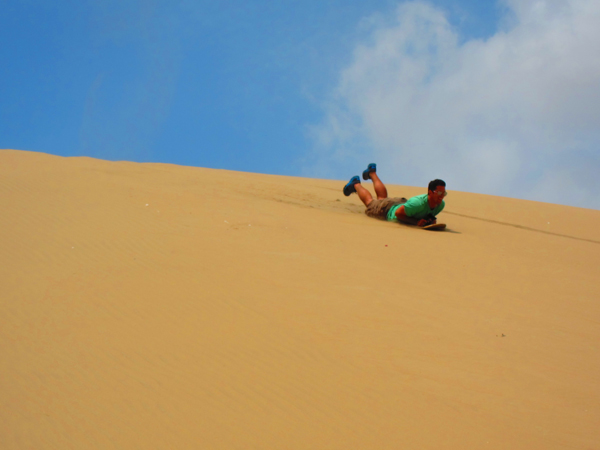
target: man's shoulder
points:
(418, 199)
(415, 205)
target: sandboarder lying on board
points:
(420, 210)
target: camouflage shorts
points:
(379, 208)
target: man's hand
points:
(402, 217)
(424, 222)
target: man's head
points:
(436, 192)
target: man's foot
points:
(370, 168)
(349, 188)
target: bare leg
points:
(380, 189)
(364, 195)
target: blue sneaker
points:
(349, 188)
(370, 168)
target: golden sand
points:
(153, 306)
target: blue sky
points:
(311, 88)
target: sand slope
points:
(154, 306)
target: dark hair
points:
(435, 183)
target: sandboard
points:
(435, 226)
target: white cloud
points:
(517, 114)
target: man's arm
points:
(402, 217)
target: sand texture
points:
(154, 306)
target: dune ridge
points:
(160, 306)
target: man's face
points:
(435, 197)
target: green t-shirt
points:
(416, 207)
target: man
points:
(420, 210)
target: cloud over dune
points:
(516, 114)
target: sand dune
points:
(155, 306)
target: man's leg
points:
(364, 195)
(380, 189)
(354, 186)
